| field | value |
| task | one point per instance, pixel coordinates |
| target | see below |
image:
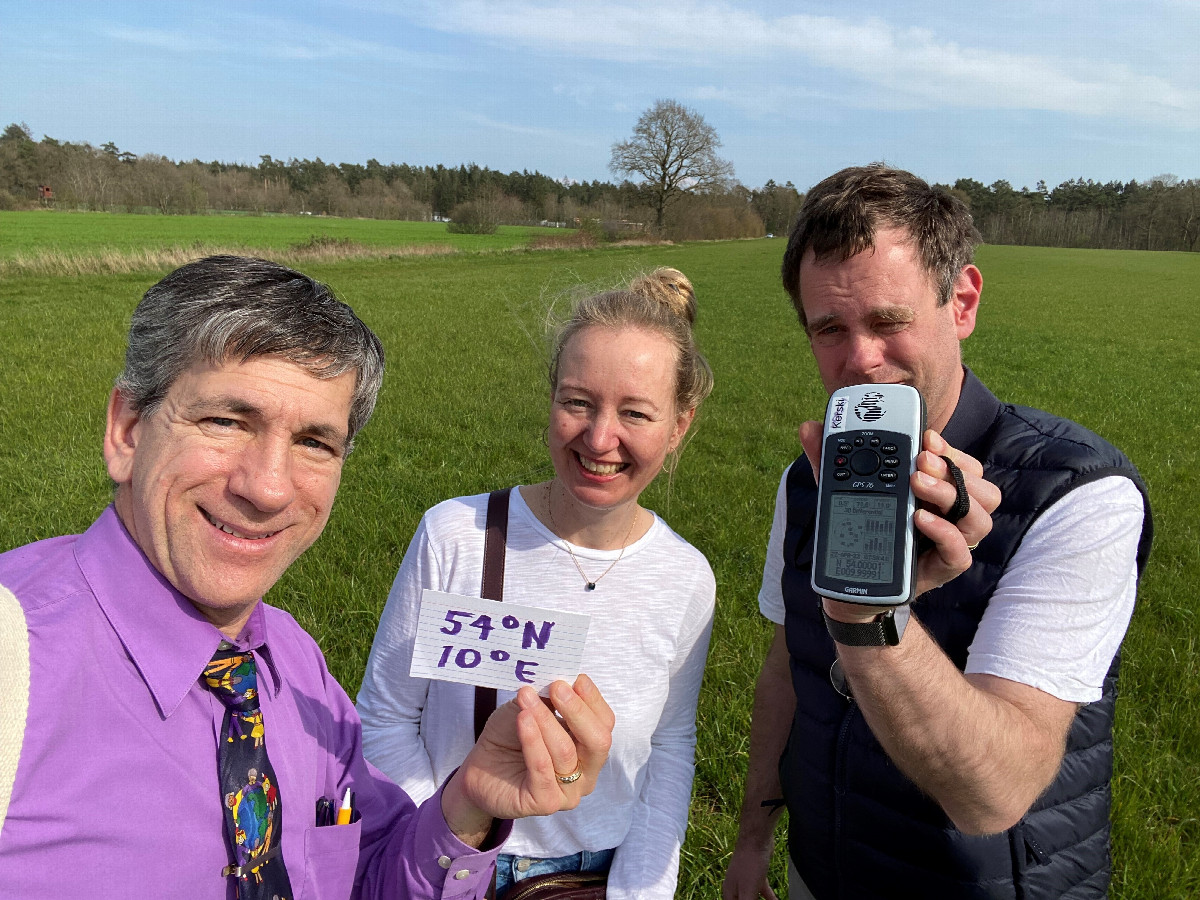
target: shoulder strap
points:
(495, 540)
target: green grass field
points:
(94, 232)
(1106, 338)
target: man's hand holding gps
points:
(934, 488)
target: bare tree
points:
(674, 150)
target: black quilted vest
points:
(858, 827)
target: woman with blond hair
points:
(626, 380)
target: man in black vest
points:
(961, 748)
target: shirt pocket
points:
(330, 861)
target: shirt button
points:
(462, 873)
(523, 865)
(444, 862)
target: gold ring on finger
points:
(569, 779)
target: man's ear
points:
(967, 290)
(120, 437)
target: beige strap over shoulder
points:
(14, 691)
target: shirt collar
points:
(973, 417)
(254, 637)
(166, 637)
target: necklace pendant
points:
(591, 585)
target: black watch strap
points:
(885, 630)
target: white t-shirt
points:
(652, 618)
(1060, 610)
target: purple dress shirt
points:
(116, 792)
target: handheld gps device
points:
(865, 547)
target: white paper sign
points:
(498, 645)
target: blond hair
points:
(662, 302)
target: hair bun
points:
(661, 302)
(671, 288)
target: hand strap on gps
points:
(962, 502)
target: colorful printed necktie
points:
(253, 811)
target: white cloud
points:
(266, 37)
(160, 39)
(902, 67)
(548, 135)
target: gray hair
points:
(233, 307)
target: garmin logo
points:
(870, 408)
(855, 590)
(839, 413)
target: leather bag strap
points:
(495, 540)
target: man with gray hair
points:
(960, 747)
(186, 740)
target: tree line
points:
(1161, 214)
(84, 177)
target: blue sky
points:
(1021, 91)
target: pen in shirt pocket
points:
(324, 812)
(330, 813)
(346, 811)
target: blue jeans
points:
(512, 869)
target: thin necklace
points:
(591, 585)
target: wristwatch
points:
(885, 630)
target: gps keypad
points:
(861, 457)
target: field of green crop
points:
(1106, 338)
(95, 232)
